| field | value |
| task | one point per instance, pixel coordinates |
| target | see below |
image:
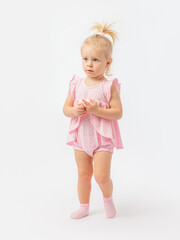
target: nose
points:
(89, 63)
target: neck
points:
(97, 78)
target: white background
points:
(39, 53)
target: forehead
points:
(91, 51)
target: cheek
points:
(98, 66)
(101, 67)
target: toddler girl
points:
(94, 106)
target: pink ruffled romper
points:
(89, 132)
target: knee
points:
(85, 175)
(101, 179)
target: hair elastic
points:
(101, 33)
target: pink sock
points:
(109, 207)
(81, 212)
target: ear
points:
(109, 62)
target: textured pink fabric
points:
(109, 207)
(83, 211)
(90, 132)
(89, 140)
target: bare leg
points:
(85, 172)
(102, 168)
(106, 188)
(102, 165)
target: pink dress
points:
(91, 133)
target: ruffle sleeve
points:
(109, 85)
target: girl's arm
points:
(109, 113)
(115, 111)
(68, 108)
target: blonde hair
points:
(101, 42)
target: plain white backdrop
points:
(39, 53)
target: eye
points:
(95, 59)
(85, 59)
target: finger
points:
(85, 101)
(81, 107)
(82, 113)
(92, 100)
(83, 110)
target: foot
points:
(109, 207)
(81, 212)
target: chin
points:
(90, 74)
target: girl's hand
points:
(90, 107)
(79, 110)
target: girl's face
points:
(94, 62)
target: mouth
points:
(89, 71)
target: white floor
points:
(36, 205)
